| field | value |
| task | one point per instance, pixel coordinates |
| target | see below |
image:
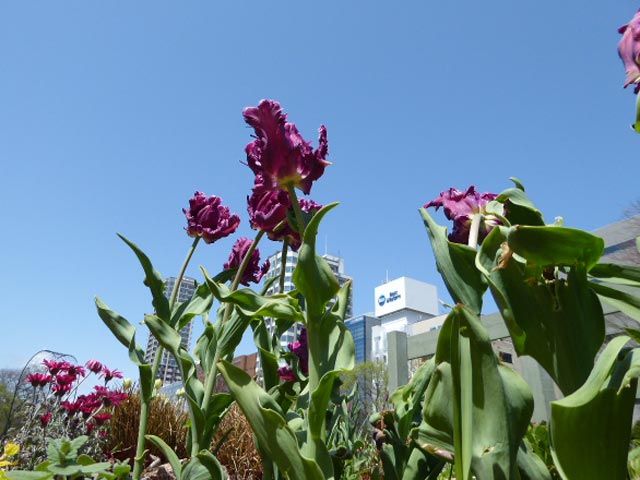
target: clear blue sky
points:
(113, 113)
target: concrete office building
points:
(169, 372)
(400, 305)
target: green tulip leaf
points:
(625, 301)
(558, 246)
(126, 335)
(591, 428)
(253, 305)
(613, 273)
(168, 452)
(557, 321)
(275, 438)
(312, 276)
(153, 280)
(473, 406)
(199, 304)
(520, 210)
(456, 264)
(530, 466)
(203, 466)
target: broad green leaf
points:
(197, 305)
(313, 276)
(591, 428)
(275, 438)
(251, 304)
(164, 333)
(92, 468)
(489, 408)
(456, 264)
(558, 322)
(520, 210)
(422, 465)
(168, 452)
(530, 466)
(153, 280)
(559, 246)
(331, 340)
(121, 329)
(204, 466)
(613, 273)
(229, 333)
(126, 334)
(626, 302)
(407, 399)
(318, 406)
(26, 475)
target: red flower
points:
(39, 379)
(110, 374)
(94, 366)
(65, 379)
(279, 153)
(44, 419)
(61, 389)
(101, 418)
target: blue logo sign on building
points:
(392, 297)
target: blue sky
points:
(113, 113)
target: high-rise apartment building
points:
(337, 267)
(169, 371)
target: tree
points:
(9, 378)
(373, 385)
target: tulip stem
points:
(210, 380)
(283, 263)
(297, 211)
(145, 405)
(475, 230)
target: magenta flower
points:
(267, 208)
(270, 211)
(76, 370)
(65, 379)
(461, 208)
(39, 379)
(301, 350)
(209, 219)
(101, 418)
(54, 366)
(60, 389)
(279, 153)
(110, 374)
(253, 272)
(94, 366)
(286, 374)
(44, 419)
(629, 51)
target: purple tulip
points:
(253, 272)
(270, 211)
(301, 350)
(461, 208)
(279, 153)
(629, 51)
(267, 208)
(286, 374)
(209, 219)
